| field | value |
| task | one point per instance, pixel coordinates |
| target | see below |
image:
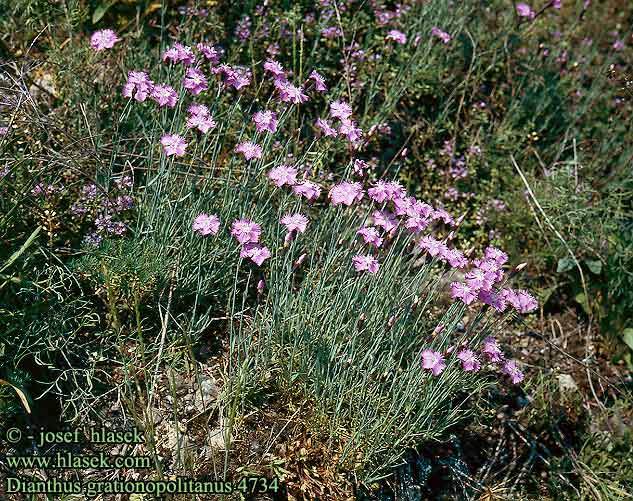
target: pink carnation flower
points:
(370, 236)
(173, 144)
(199, 118)
(289, 93)
(206, 224)
(138, 85)
(179, 53)
(496, 255)
(164, 95)
(325, 127)
(246, 231)
(209, 52)
(319, 81)
(249, 150)
(463, 292)
(365, 263)
(257, 253)
(491, 350)
(433, 361)
(431, 245)
(283, 175)
(275, 68)
(103, 39)
(470, 362)
(521, 300)
(524, 10)
(510, 368)
(442, 35)
(397, 36)
(349, 129)
(494, 299)
(265, 120)
(295, 222)
(195, 81)
(308, 190)
(359, 167)
(340, 110)
(346, 193)
(385, 219)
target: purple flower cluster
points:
(470, 361)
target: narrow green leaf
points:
(21, 250)
(20, 393)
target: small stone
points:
(566, 383)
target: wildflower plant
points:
(357, 325)
(256, 193)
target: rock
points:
(206, 394)
(566, 383)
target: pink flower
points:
(433, 361)
(383, 191)
(236, 77)
(295, 222)
(325, 127)
(491, 350)
(138, 85)
(510, 368)
(463, 292)
(275, 68)
(265, 120)
(239, 77)
(257, 253)
(346, 193)
(524, 10)
(103, 39)
(282, 175)
(308, 190)
(618, 45)
(199, 118)
(432, 246)
(198, 109)
(365, 263)
(179, 53)
(416, 224)
(340, 110)
(359, 167)
(289, 93)
(478, 279)
(396, 36)
(444, 216)
(521, 300)
(210, 52)
(556, 4)
(319, 81)
(173, 144)
(470, 362)
(370, 236)
(496, 255)
(348, 129)
(206, 224)
(454, 257)
(385, 219)
(246, 231)
(496, 300)
(164, 95)
(195, 81)
(442, 35)
(249, 150)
